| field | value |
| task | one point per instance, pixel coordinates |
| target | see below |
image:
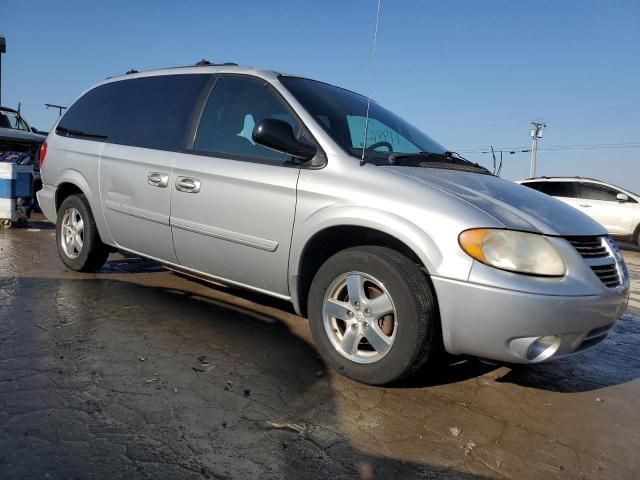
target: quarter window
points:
(234, 108)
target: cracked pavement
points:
(136, 372)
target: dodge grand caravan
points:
(391, 245)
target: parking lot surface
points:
(136, 372)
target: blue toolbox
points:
(16, 188)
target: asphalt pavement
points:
(137, 372)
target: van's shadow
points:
(614, 361)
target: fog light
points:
(543, 348)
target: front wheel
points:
(373, 314)
(79, 244)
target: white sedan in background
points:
(617, 209)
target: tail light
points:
(43, 153)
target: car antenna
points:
(373, 61)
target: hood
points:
(13, 135)
(515, 206)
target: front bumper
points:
(518, 327)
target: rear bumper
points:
(518, 327)
(47, 201)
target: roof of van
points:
(199, 68)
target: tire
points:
(89, 255)
(412, 336)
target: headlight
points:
(519, 252)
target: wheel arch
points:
(636, 235)
(73, 182)
(352, 227)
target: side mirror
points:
(278, 135)
(622, 197)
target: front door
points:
(601, 202)
(233, 204)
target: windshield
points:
(342, 114)
(12, 120)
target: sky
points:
(471, 74)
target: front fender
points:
(352, 215)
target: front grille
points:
(598, 253)
(589, 247)
(608, 274)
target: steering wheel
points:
(380, 144)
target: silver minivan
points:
(391, 245)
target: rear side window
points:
(234, 108)
(148, 112)
(555, 189)
(593, 191)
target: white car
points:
(617, 209)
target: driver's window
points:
(235, 106)
(594, 191)
(383, 137)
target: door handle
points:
(187, 185)
(157, 179)
(584, 205)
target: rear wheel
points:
(77, 237)
(373, 314)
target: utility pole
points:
(59, 107)
(536, 132)
(3, 49)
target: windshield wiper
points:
(436, 158)
(393, 158)
(78, 133)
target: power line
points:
(526, 149)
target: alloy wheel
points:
(72, 233)
(360, 317)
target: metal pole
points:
(534, 150)
(3, 49)
(536, 133)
